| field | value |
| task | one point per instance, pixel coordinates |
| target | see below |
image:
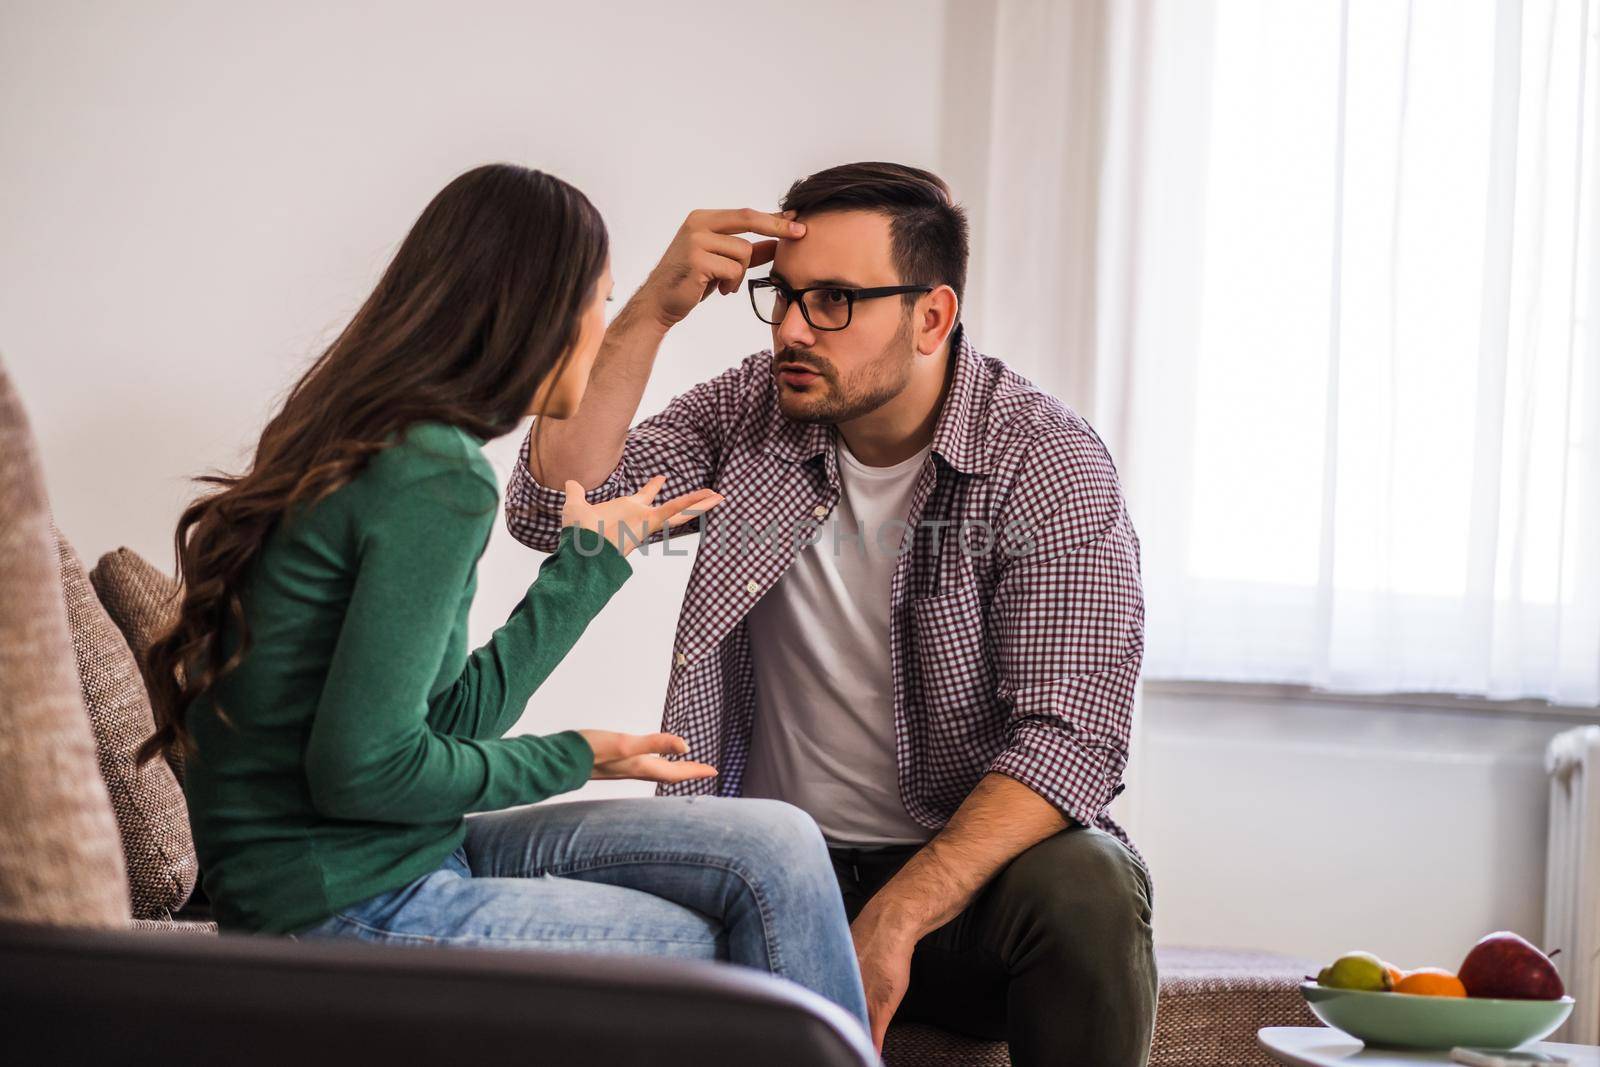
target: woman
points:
(336, 732)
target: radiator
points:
(1572, 886)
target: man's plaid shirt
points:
(1016, 617)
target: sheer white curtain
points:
(1324, 275)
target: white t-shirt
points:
(823, 736)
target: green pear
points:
(1356, 970)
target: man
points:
(939, 664)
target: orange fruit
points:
(1430, 982)
(1395, 974)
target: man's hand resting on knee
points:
(999, 820)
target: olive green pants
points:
(1054, 956)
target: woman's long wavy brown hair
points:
(481, 303)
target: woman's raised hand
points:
(641, 756)
(628, 521)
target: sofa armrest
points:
(69, 995)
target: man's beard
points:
(868, 389)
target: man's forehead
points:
(838, 246)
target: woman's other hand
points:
(641, 756)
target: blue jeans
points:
(713, 878)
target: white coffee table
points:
(1322, 1046)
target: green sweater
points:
(364, 730)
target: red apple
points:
(1505, 965)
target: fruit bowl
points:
(1405, 1020)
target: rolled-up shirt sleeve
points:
(1068, 618)
(684, 441)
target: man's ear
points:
(935, 318)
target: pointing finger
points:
(704, 499)
(749, 220)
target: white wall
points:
(194, 197)
(1317, 825)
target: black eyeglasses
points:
(825, 307)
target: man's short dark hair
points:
(927, 228)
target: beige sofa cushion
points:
(60, 859)
(143, 601)
(147, 800)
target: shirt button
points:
(820, 512)
(752, 586)
(681, 659)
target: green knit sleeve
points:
(573, 584)
(372, 753)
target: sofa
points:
(107, 948)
